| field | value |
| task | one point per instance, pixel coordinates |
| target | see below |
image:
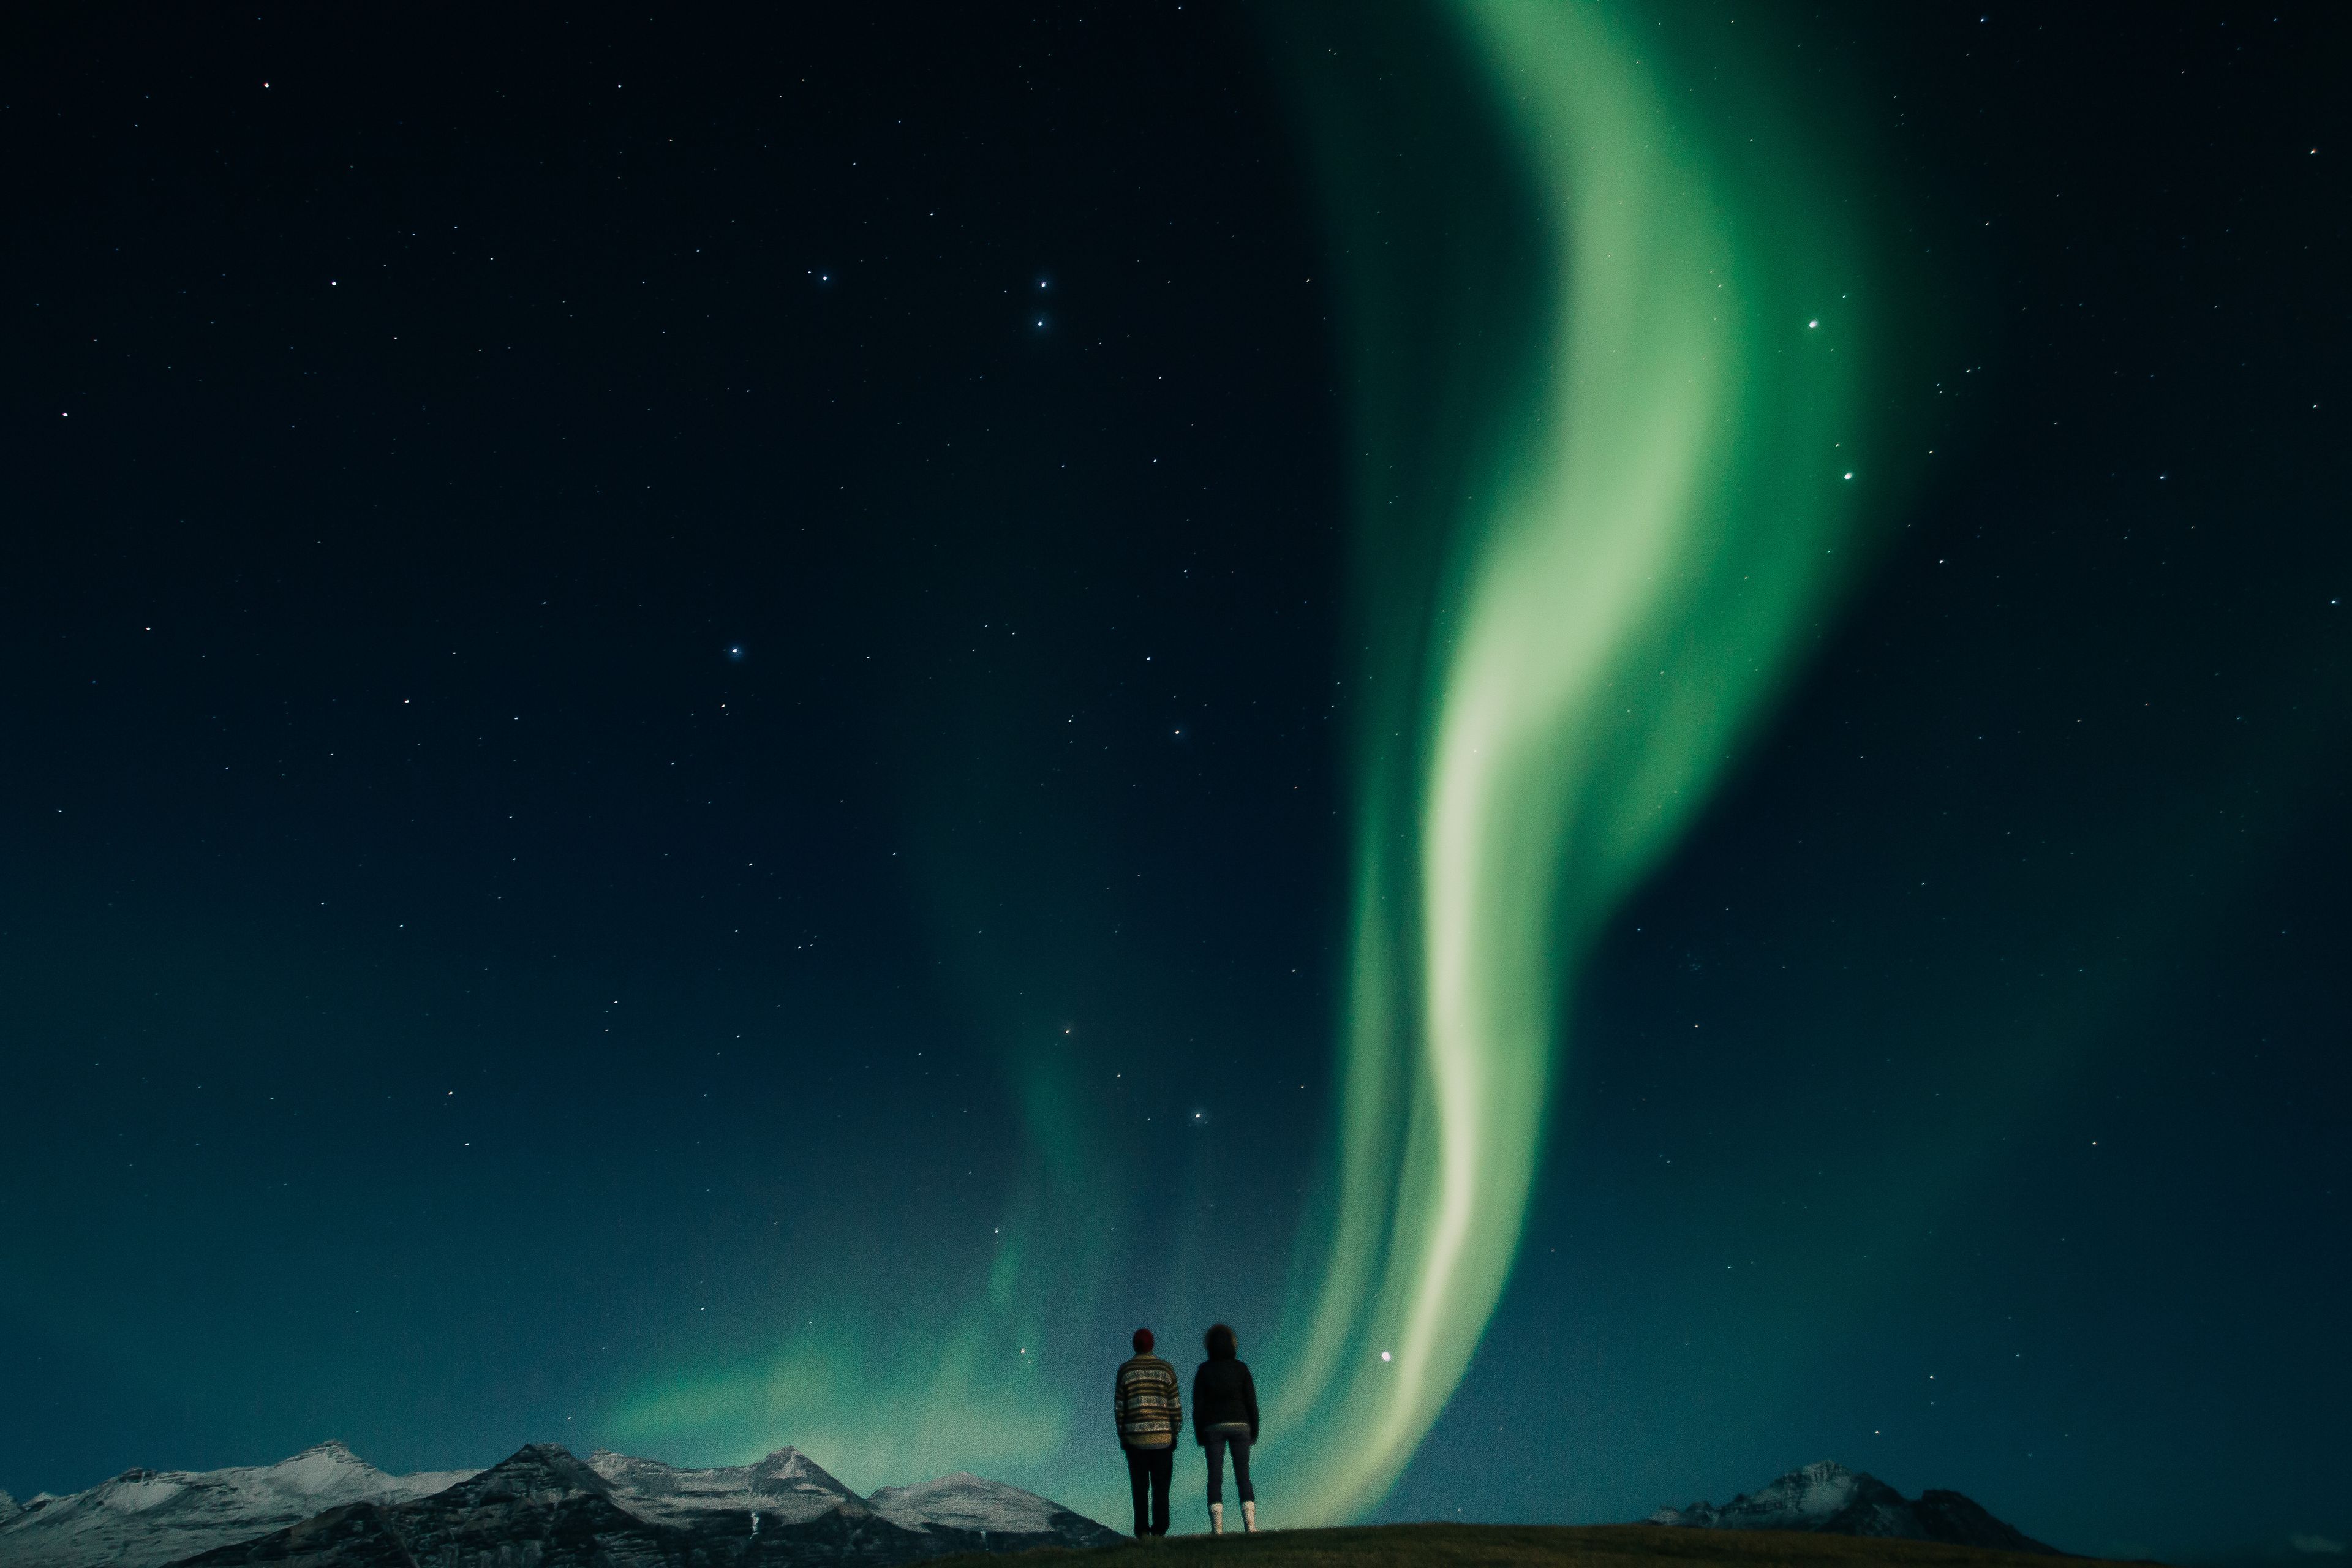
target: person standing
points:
(1225, 1415)
(1149, 1411)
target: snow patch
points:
(966, 1501)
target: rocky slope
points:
(144, 1517)
(1831, 1500)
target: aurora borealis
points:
(1622, 722)
(1647, 500)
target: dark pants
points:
(1216, 1440)
(1148, 1471)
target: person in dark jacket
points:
(1225, 1415)
(1150, 1414)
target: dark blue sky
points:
(613, 625)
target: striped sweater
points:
(1147, 1403)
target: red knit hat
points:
(1142, 1341)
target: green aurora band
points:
(1606, 370)
(1604, 346)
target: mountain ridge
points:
(142, 1517)
(1825, 1498)
(327, 1508)
(786, 1484)
(544, 1506)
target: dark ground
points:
(1508, 1545)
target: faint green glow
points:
(886, 1386)
(871, 1419)
(1648, 514)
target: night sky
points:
(698, 715)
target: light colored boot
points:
(1216, 1518)
(1249, 1517)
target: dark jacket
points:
(1223, 1393)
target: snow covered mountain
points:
(787, 1487)
(967, 1503)
(543, 1506)
(144, 1517)
(1834, 1500)
(790, 1488)
(326, 1509)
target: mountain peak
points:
(546, 1456)
(321, 1468)
(536, 1472)
(1827, 1498)
(789, 1471)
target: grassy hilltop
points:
(1520, 1546)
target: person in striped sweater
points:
(1150, 1409)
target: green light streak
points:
(1637, 500)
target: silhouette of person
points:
(1149, 1411)
(1225, 1415)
